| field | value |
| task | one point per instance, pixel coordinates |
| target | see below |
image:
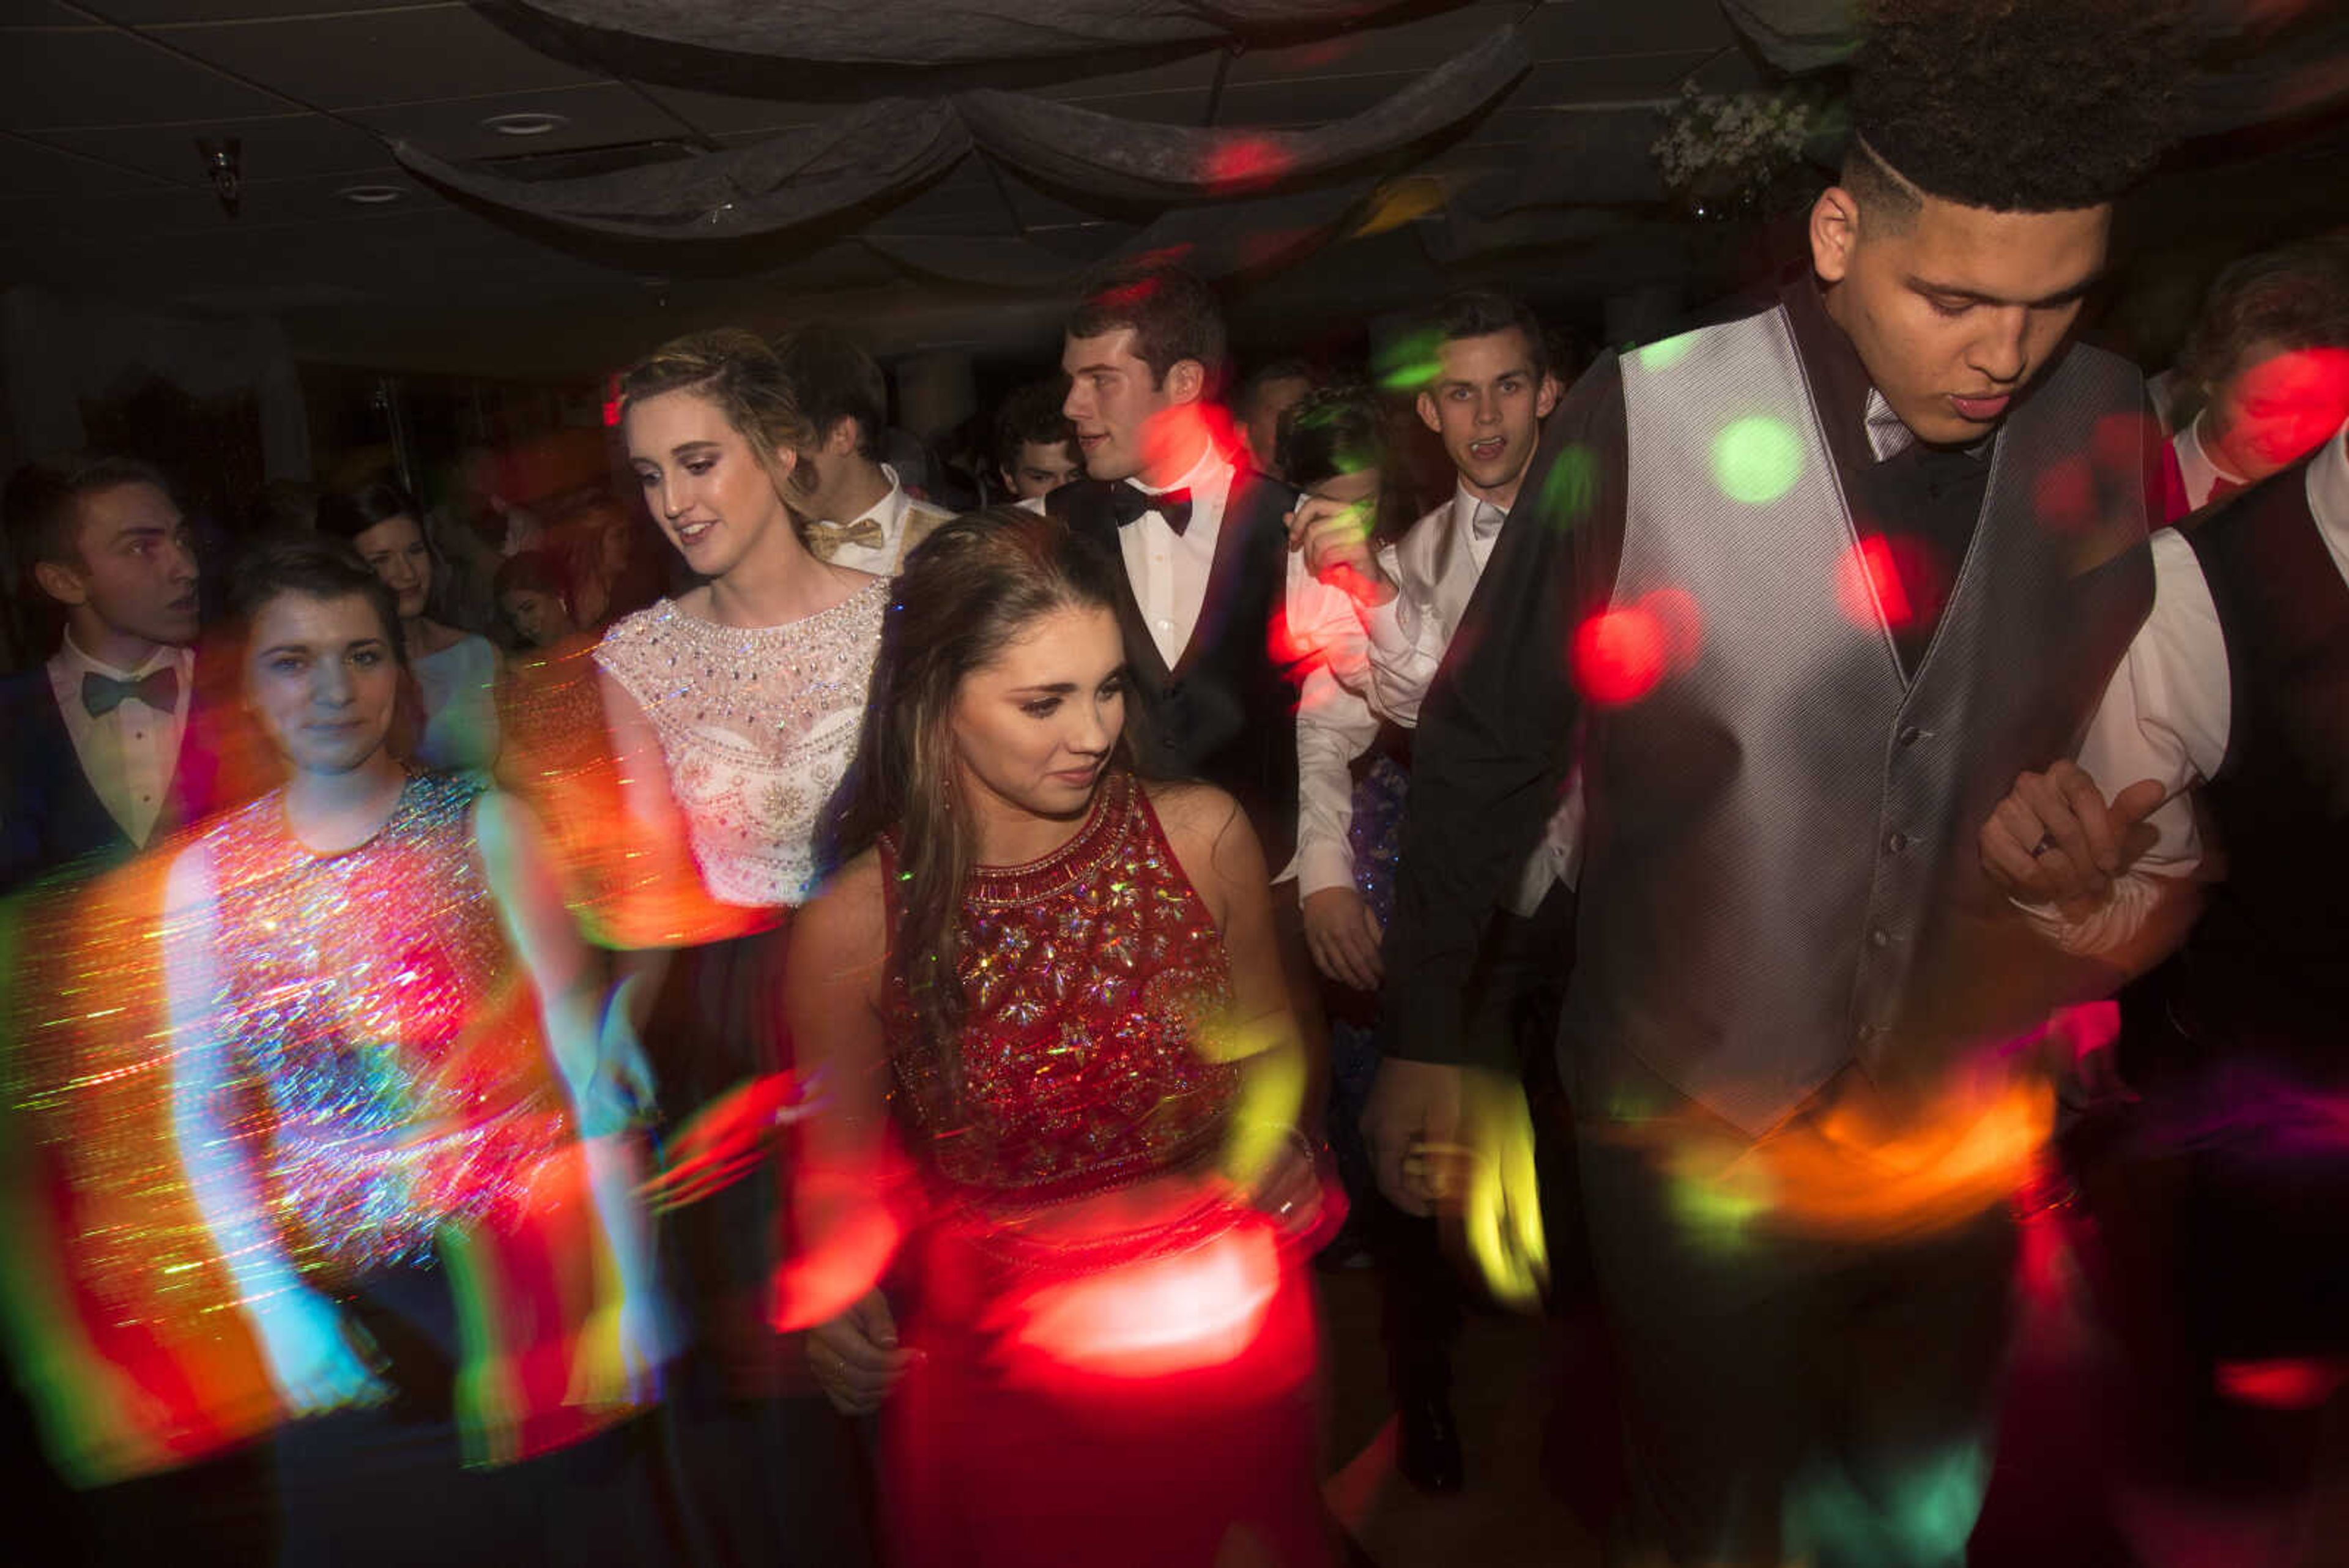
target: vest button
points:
(1910, 735)
(1896, 842)
(1880, 937)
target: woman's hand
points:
(311, 1355)
(1293, 1192)
(856, 1357)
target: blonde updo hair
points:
(738, 372)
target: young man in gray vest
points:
(1804, 592)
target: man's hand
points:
(1343, 937)
(1500, 1207)
(1335, 540)
(856, 1357)
(2055, 840)
(1413, 1125)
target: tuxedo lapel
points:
(1227, 573)
(50, 816)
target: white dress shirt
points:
(904, 522)
(2167, 712)
(1169, 570)
(1382, 658)
(129, 755)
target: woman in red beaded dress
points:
(1055, 988)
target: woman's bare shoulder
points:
(1205, 827)
(848, 917)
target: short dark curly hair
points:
(1033, 414)
(2018, 106)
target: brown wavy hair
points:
(969, 591)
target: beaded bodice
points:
(758, 725)
(385, 1041)
(1089, 980)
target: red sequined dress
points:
(1143, 1396)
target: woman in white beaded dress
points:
(744, 697)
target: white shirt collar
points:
(2328, 490)
(1210, 466)
(2196, 466)
(890, 510)
(1465, 502)
(75, 658)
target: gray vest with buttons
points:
(1782, 877)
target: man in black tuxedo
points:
(102, 758)
(1202, 536)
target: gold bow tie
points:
(828, 539)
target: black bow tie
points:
(102, 694)
(1128, 501)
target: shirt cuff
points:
(1392, 627)
(2110, 926)
(1320, 866)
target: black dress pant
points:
(1517, 990)
(1789, 1399)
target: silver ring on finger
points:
(2046, 842)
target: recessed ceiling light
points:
(525, 122)
(371, 196)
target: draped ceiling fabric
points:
(889, 149)
(952, 32)
(1222, 198)
(891, 146)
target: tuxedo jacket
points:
(50, 816)
(1225, 710)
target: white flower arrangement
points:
(1727, 150)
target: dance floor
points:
(1507, 1378)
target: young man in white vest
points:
(1802, 593)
